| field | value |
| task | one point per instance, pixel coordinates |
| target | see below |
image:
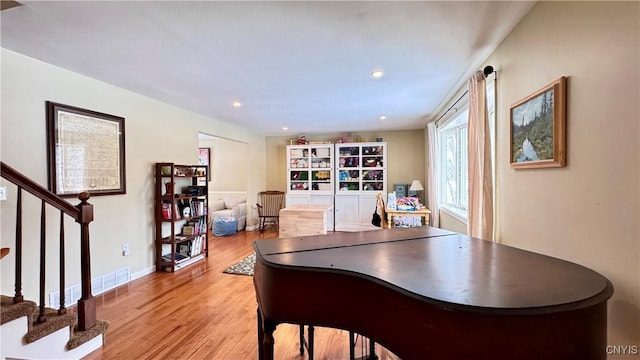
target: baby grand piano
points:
(427, 293)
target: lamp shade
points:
(416, 185)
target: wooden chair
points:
(269, 207)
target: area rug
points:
(243, 267)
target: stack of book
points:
(178, 257)
(197, 245)
(198, 208)
(166, 210)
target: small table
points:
(423, 212)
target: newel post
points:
(86, 304)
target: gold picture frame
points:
(85, 151)
(538, 128)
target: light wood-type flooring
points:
(200, 312)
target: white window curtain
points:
(432, 174)
(480, 210)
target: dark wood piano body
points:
(426, 293)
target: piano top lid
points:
(440, 266)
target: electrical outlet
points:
(126, 251)
(3, 193)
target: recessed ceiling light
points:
(284, 128)
(236, 103)
(383, 117)
(376, 74)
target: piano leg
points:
(352, 346)
(260, 336)
(372, 350)
(310, 345)
(307, 344)
(301, 340)
(266, 328)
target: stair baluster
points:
(43, 256)
(18, 297)
(62, 310)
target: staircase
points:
(29, 329)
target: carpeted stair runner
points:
(55, 322)
(10, 311)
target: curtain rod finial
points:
(487, 70)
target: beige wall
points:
(451, 222)
(155, 131)
(405, 152)
(229, 165)
(587, 212)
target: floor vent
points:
(99, 285)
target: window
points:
(453, 191)
(452, 184)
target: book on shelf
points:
(177, 256)
(203, 225)
(177, 211)
(199, 225)
(198, 208)
(194, 247)
(166, 210)
(197, 245)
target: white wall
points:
(154, 131)
(587, 212)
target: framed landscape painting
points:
(538, 126)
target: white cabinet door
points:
(354, 212)
(297, 200)
(347, 212)
(367, 205)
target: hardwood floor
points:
(202, 313)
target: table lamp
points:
(416, 186)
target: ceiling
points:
(305, 65)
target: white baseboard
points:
(143, 272)
(251, 228)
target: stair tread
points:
(55, 322)
(10, 311)
(80, 337)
